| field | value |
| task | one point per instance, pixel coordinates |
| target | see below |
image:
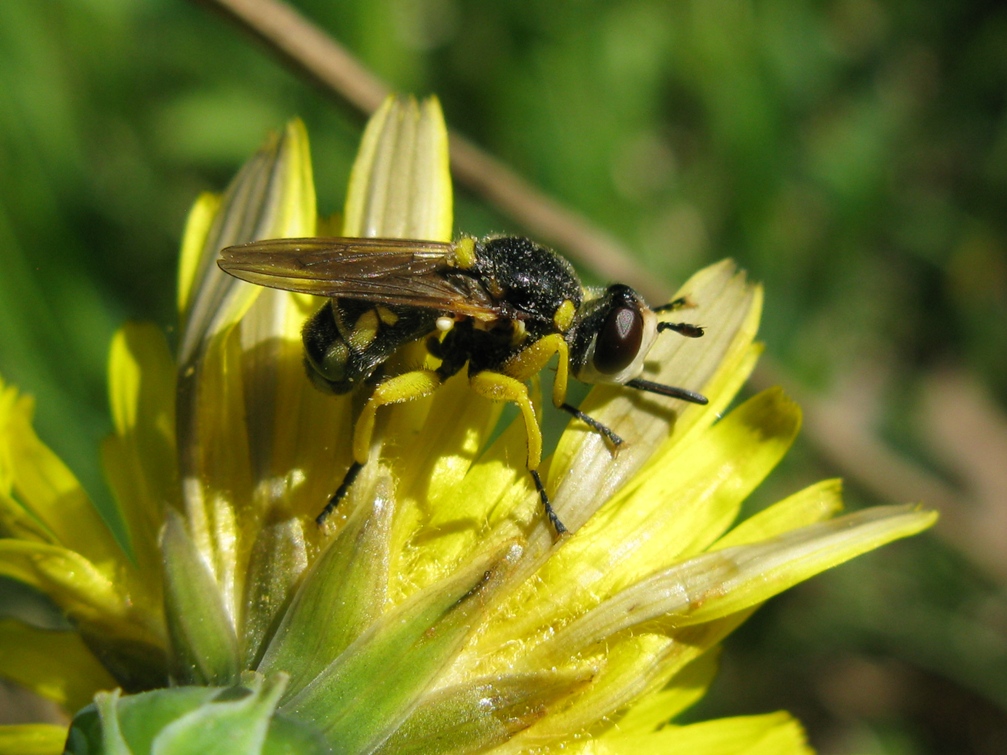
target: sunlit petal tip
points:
(816, 503)
(272, 196)
(197, 228)
(400, 186)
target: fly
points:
(500, 306)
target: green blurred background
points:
(852, 155)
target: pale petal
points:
(584, 473)
(691, 500)
(684, 690)
(400, 186)
(723, 582)
(273, 196)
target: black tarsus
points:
(340, 494)
(557, 525)
(594, 424)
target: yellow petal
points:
(492, 504)
(724, 582)
(696, 491)
(815, 503)
(286, 414)
(771, 734)
(139, 459)
(437, 458)
(681, 509)
(197, 227)
(32, 739)
(47, 489)
(684, 690)
(433, 466)
(88, 596)
(55, 665)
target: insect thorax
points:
(530, 282)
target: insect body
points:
(503, 306)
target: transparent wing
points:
(388, 271)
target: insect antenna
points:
(682, 302)
(668, 390)
(682, 328)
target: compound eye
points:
(618, 340)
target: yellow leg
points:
(532, 359)
(499, 387)
(408, 386)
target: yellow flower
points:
(436, 612)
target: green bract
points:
(435, 612)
